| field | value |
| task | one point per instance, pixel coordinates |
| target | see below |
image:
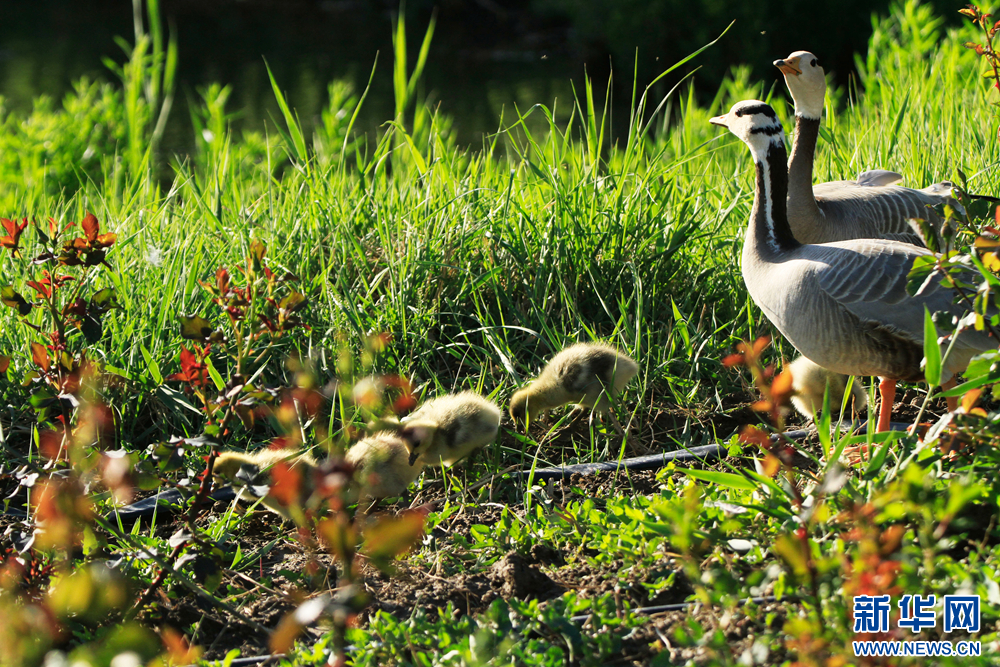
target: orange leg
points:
(887, 390)
(952, 400)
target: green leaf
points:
(214, 374)
(877, 461)
(960, 390)
(104, 300)
(11, 298)
(932, 351)
(293, 301)
(922, 268)
(154, 368)
(196, 327)
(721, 478)
(894, 137)
(790, 549)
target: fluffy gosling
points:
(252, 470)
(586, 374)
(382, 465)
(449, 428)
(809, 383)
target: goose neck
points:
(800, 166)
(769, 230)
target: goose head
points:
(756, 124)
(806, 80)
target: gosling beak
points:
(788, 66)
(718, 120)
(413, 458)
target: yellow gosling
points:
(585, 374)
(381, 465)
(449, 428)
(252, 469)
(809, 383)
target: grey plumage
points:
(871, 206)
(843, 305)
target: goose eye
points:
(739, 113)
(814, 62)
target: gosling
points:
(587, 374)
(809, 384)
(252, 470)
(382, 465)
(447, 429)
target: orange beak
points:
(788, 66)
(718, 120)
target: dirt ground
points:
(543, 573)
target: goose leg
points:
(952, 400)
(887, 390)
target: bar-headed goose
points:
(585, 374)
(810, 382)
(843, 305)
(449, 428)
(870, 206)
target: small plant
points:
(64, 311)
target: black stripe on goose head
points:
(762, 109)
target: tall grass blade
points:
(298, 142)
(932, 351)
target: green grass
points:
(482, 262)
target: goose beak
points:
(788, 66)
(413, 457)
(719, 120)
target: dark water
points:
(478, 65)
(487, 55)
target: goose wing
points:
(880, 211)
(878, 178)
(868, 279)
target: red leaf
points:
(222, 280)
(105, 240)
(4, 363)
(287, 485)
(193, 370)
(14, 232)
(753, 435)
(760, 344)
(736, 359)
(781, 388)
(90, 226)
(41, 287)
(40, 356)
(390, 537)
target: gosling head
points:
(235, 466)
(519, 406)
(418, 436)
(806, 80)
(755, 123)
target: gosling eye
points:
(814, 62)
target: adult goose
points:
(844, 304)
(869, 207)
